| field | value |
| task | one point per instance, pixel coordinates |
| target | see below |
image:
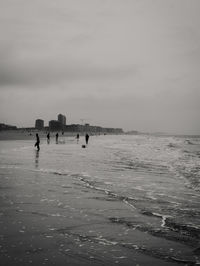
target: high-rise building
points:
(55, 125)
(39, 124)
(62, 119)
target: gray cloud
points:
(51, 69)
(133, 63)
(46, 73)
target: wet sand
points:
(56, 220)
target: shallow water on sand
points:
(134, 194)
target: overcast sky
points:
(133, 64)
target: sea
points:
(155, 178)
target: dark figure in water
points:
(86, 138)
(48, 138)
(56, 137)
(77, 137)
(37, 144)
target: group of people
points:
(37, 144)
(86, 138)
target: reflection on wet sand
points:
(37, 159)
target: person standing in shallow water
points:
(86, 138)
(37, 144)
(48, 138)
(56, 137)
(77, 137)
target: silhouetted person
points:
(62, 132)
(86, 138)
(57, 137)
(48, 138)
(37, 144)
(77, 137)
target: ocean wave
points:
(141, 166)
(173, 145)
(187, 141)
(162, 216)
(167, 232)
(92, 184)
(53, 171)
(184, 229)
(161, 254)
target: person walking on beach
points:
(86, 138)
(57, 137)
(77, 137)
(48, 138)
(37, 144)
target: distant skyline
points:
(132, 64)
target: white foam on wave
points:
(129, 204)
(9, 167)
(105, 242)
(164, 217)
(52, 171)
(107, 192)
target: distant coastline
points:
(66, 128)
(23, 134)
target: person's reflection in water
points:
(37, 158)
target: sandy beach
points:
(40, 225)
(54, 214)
